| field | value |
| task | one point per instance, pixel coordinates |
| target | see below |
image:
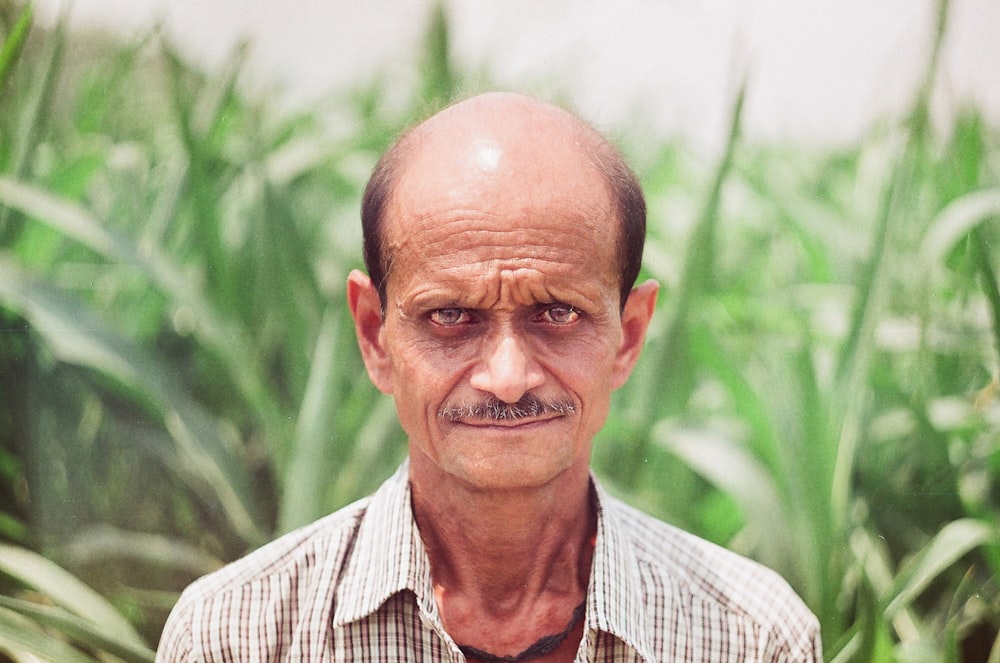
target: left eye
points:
(560, 314)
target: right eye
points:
(449, 317)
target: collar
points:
(389, 557)
(615, 596)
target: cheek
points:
(414, 398)
(583, 371)
(425, 362)
(423, 376)
(583, 360)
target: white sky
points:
(821, 70)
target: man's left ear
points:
(636, 316)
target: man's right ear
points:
(366, 309)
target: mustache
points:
(494, 409)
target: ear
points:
(636, 316)
(366, 310)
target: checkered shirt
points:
(356, 586)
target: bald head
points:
(504, 141)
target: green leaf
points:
(225, 337)
(34, 118)
(953, 541)
(439, 80)
(13, 44)
(96, 545)
(20, 637)
(77, 335)
(695, 281)
(730, 467)
(308, 468)
(12, 528)
(956, 221)
(81, 631)
(65, 590)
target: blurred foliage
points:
(179, 380)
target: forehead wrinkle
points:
(511, 272)
(503, 288)
(524, 285)
(436, 253)
(526, 221)
(496, 243)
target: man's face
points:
(503, 289)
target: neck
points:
(504, 549)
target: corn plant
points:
(829, 381)
(179, 380)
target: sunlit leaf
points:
(100, 544)
(81, 631)
(956, 221)
(730, 467)
(64, 589)
(308, 468)
(19, 636)
(949, 545)
(797, 337)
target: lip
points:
(507, 424)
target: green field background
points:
(179, 380)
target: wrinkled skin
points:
(503, 282)
(502, 338)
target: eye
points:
(449, 317)
(560, 314)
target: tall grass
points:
(179, 380)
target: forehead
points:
(510, 186)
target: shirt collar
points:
(389, 557)
(615, 601)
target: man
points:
(502, 238)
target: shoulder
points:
(295, 552)
(702, 568)
(706, 578)
(279, 574)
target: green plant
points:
(179, 379)
(76, 611)
(821, 395)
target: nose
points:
(507, 371)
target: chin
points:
(499, 459)
(504, 472)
